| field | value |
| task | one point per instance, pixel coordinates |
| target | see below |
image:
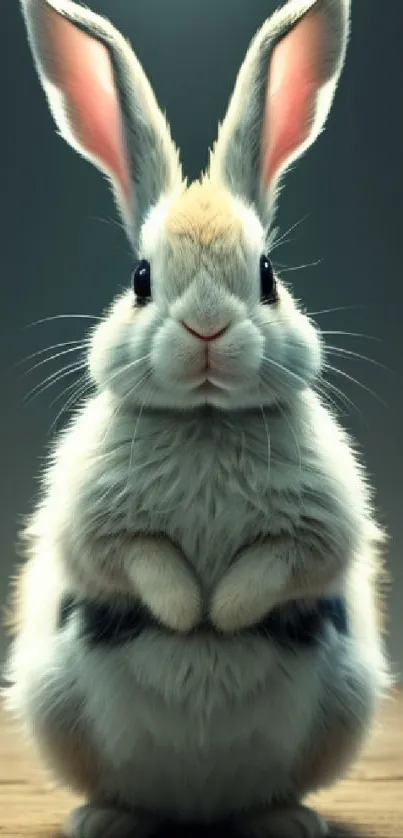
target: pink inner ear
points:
(85, 78)
(296, 75)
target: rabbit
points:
(198, 620)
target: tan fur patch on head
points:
(204, 214)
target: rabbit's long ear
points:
(103, 104)
(282, 97)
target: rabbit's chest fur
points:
(211, 482)
(211, 488)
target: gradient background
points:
(62, 251)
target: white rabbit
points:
(197, 627)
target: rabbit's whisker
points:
(55, 378)
(79, 392)
(54, 358)
(64, 317)
(77, 343)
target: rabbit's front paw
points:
(166, 583)
(248, 591)
(287, 822)
(97, 821)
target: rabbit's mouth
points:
(209, 387)
(215, 382)
(212, 378)
(210, 373)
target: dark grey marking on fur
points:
(291, 625)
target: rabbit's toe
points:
(96, 821)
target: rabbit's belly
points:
(197, 726)
(194, 726)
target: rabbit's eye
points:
(268, 286)
(141, 281)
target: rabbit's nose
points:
(205, 334)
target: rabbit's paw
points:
(249, 590)
(166, 583)
(97, 821)
(285, 822)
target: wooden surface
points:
(368, 803)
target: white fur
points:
(194, 726)
(218, 490)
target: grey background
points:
(62, 252)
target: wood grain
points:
(368, 804)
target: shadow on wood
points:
(224, 831)
(346, 832)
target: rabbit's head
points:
(206, 321)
